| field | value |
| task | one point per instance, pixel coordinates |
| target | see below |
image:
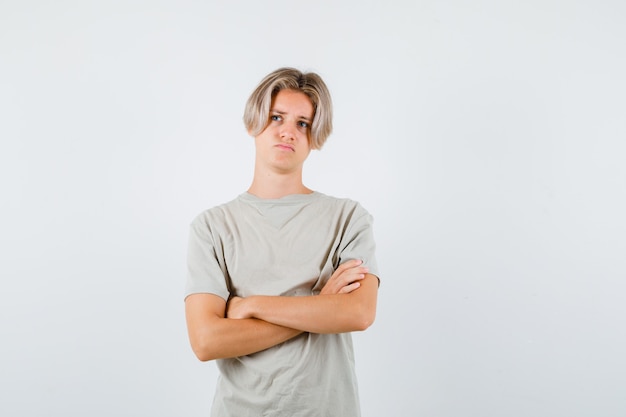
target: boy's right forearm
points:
(227, 338)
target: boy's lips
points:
(285, 147)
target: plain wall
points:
(487, 138)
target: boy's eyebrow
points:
(308, 119)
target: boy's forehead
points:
(291, 101)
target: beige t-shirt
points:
(290, 247)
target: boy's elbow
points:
(203, 355)
(365, 319)
(203, 349)
(366, 303)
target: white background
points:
(487, 138)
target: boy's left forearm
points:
(336, 313)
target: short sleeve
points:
(358, 240)
(206, 269)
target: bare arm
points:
(324, 313)
(213, 336)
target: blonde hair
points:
(256, 114)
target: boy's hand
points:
(346, 278)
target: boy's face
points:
(284, 144)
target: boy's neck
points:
(277, 186)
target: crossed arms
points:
(247, 325)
